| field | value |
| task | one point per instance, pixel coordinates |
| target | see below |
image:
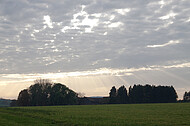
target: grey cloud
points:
(75, 49)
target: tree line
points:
(143, 94)
(44, 92)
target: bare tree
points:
(43, 81)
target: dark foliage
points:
(118, 96)
(113, 95)
(43, 93)
(122, 97)
(186, 97)
(152, 94)
(39, 94)
(145, 94)
(24, 98)
(61, 95)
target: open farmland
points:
(171, 114)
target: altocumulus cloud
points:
(114, 37)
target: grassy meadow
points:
(171, 114)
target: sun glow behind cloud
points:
(97, 72)
(80, 79)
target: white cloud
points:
(36, 30)
(90, 22)
(115, 24)
(123, 11)
(112, 17)
(98, 15)
(77, 23)
(105, 33)
(168, 16)
(64, 29)
(171, 42)
(183, 65)
(188, 20)
(47, 21)
(162, 3)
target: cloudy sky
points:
(91, 45)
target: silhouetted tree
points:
(172, 94)
(159, 94)
(186, 96)
(129, 94)
(122, 97)
(147, 94)
(23, 98)
(164, 94)
(44, 92)
(136, 94)
(112, 95)
(40, 93)
(61, 95)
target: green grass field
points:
(177, 114)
